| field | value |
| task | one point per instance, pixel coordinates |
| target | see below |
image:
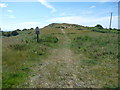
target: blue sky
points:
(20, 15)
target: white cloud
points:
(92, 6)
(86, 21)
(46, 4)
(3, 5)
(10, 11)
(22, 25)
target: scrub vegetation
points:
(66, 56)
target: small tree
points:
(99, 26)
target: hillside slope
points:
(67, 56)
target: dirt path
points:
(63, 31)
(62, 69)
(56, 71)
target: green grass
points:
(90, 62)
(22, 52)
(11, 80)
(100, 60)
(93, 58)
(101, 46)
(105, 30)
(111, 87)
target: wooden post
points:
(37, 32)
(37, 37)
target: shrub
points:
(7, 34)
(99, 26)
(14, 33)
(49, 38)
(18, 30)
(24, 29)
(80, 29)
(18, 46)
(57, 27)
(90, 62)
(31, 28)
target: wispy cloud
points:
(10, 11)
(2, 5)
(92, 6)
(46, 4)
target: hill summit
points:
(65, 25)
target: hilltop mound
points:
(65, 25)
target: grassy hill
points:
(67, 56)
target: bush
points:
(31, 28)
(18, 30)
(7, 34)
(105, 30)
(90, 62)
(24, 29)
(14, 33)
(57, 27)
(18, 46)
(49, 38)
(99, 26)
(80, 29)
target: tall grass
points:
(101, 62)
(20, 53)
(93, 58)
(97, 47)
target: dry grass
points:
(71, 62)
